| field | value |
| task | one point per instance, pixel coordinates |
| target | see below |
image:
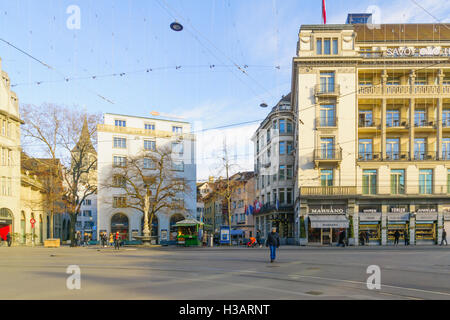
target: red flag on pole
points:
(324, 12)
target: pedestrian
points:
(366, 236)
(111, 239)
(117, 241)
(78, 239)
(8, 239)
(444, 237)
(406, 237)
(362, 238)
(341, 239)
(396, 237)
(258, 237)
(273, 242)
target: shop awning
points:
(328, 221)
(237, 232)
(188, 223)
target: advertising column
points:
(384, 227)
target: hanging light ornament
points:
(263, 105)
(176, 26)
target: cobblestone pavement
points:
(225, 273)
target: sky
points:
(231, 56)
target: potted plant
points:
(351, 233)
(303, 241)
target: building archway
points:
(6, 222)
(23, 228)
(120, 223)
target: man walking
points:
(396, 237)
(341, 239)
(273, 242)
(444, 237)
(8, 238)
(258, 237)
(117, 241)
(406, 237)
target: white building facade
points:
(137, 134)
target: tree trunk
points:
(73, 222)
(51, 224)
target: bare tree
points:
(69, 147)
(150, 183)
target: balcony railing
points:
(368, 123)
(369, 156)
(397, 124)
(271, 206)
(397, 156)
(426, 155)
(327, 90)
(327, 191)
(328, 154)
(326, 122)
(424, 123)
(378, 89)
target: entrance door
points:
(326, 236)
(119, 223)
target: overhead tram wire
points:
(211, 43)
(51, 68)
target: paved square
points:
(225, 273)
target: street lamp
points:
(176, 26)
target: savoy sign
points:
(421, 52)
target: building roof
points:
(414, 32)
(147, 118)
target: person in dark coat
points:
(341, 239)
(258, 237)
(273, 242)
(444, 237)
(405, 234)
(367, 238)
(396, 237)
(8, 239)
(117, 241)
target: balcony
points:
(327, 90)
(403, 90)
(424, 156)
(424, 126)
(327, 191)
(326, 123)
(370, 156)
(327, 156)
(397, 124)
(271, 207)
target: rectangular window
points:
(282, 126)
(119, 181)
(420, 148)
(149, 164)
(289, 127)
(149, 145)
(289, 196)
(446, 118)
(446, 149)
(119, 161)
(149, 126)
(365, 149)
(119, 202)
(335, 46)
(319, 46)
(392, 118)
(87, 213)
(177, 147)
(282, 147)
(282, 173)
(393, 81)
(178, 166)
(369, 182)
(326, 178)
(120, 123)
(327, 82)
(177, 130)
(426, 181)
(393, 148)
(420, 118)
(281, 197)
(290, 147)
(327, 115)
(120, 143)
(327, 46)
(397, 181)
(289, 172)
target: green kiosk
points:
(189, 233)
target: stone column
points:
(384, 225)
(356, 225)
(383, 128)
(411, 127)
(439, 116)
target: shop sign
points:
(426, 216)
(330, 210)
(426, 210)
(5, 221)
(398, 210)
(163, 234)
(398, 216)
(373, 216)
(414, 52)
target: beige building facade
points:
(373, 152)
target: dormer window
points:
(327, 46)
